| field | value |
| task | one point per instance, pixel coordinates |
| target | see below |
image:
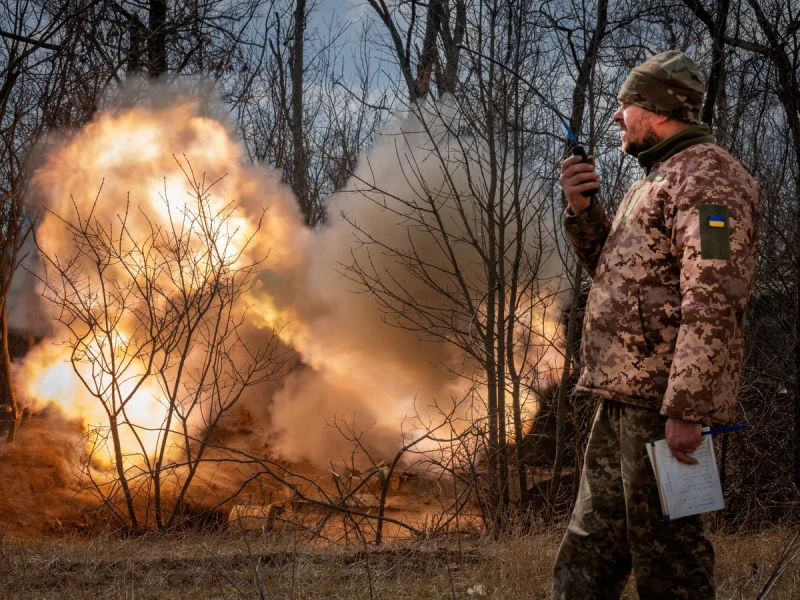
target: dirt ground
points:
(231, 566)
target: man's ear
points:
(661, 119)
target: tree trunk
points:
(422, 83)
(136, 35)
(12, 73)
(6, 388)
(716, 79)
(497, 445)
(500, 356)
(796, 428)
(447, 76)
(157, 40)
(120, 467)
(299, 164)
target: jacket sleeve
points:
(587, 232)
(704, 376)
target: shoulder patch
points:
(656, 176)
(715, 232)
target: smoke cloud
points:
(354, 362)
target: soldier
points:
(663, 333)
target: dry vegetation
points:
(225, 566)
(311, 119)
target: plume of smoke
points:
(361, 369)
(26, 311)
(355, 366)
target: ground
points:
(227, 566)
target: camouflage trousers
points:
(617, 524)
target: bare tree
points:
(475, 270)
(296, 65)
(158, 314)
(442, 26)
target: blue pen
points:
(724, 429)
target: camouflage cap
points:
(667, 84)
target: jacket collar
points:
(697, 134)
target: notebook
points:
(686, 489)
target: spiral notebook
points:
(686, 489)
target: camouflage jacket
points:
(665, 316)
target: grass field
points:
(228, 566)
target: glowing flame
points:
(355, 364)
(47, 376)
(151, 164)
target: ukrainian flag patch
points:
(715, 232)
(716, 221)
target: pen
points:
(724, 429)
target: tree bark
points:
(422, 83)
(157, 40)
(299, 163)
(716, 79)
(6, 388)
(498, 465)
(447, 76)
(136, 35)
(419, 85)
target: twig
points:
(788, 555)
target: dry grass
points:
(225, 566)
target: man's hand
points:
(577, 177)
(683, 437)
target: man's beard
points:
(647, 140)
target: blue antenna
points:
(575, 147)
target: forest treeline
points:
(308, 86)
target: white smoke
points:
(362, 368)
(355, 366)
